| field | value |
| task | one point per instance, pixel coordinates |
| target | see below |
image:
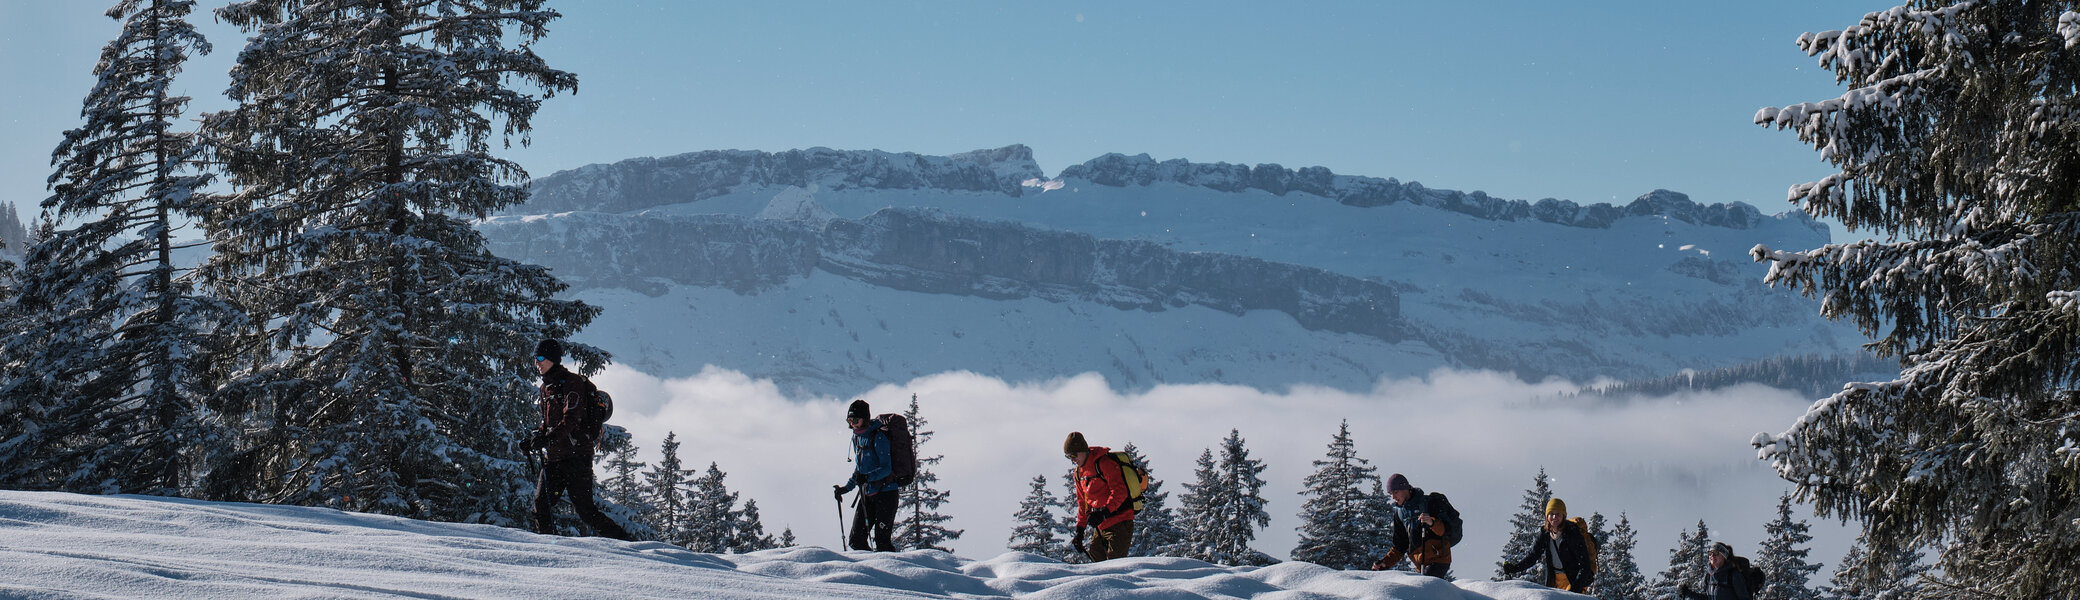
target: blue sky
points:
(1591, 102)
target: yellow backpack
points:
(1136, 480)
(1587, 540)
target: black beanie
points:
(858, 410)
(549, 349)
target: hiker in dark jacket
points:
(1725, 581)
(1102, 500)
(566, 442)
(1422, 529)
(1562, 550)
(872, 466)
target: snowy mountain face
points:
(832, 271)
(71, 546)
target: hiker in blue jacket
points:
(872, 464)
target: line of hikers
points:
(1108, 489)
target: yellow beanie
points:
(1075, 443)
(1555, 506)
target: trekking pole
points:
(841, 523)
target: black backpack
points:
(902, 448)
(1747, 571)
(597, 411)
(1454, 527)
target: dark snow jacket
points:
(1570, 550)
(1422, 544)
(1723, 584)
(563, 399)
(872, 460)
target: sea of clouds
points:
(1477, 436)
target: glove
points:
(1099, 515)
(838, 491)
(859, 478)
(532, 443)
(1077, 543)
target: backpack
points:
(1454, 527)
(902, 449)
(1588, 541)
(1137, 481)
(597, 411)
(1753, 575)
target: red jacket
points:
(563, 414)
(1099, 484)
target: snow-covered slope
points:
(1539, 289)
(70, 546)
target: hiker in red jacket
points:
(1102, 500)
(566, 440)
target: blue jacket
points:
(871, 460)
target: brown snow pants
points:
(1112, 542)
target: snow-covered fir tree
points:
(110, 378)
(711, 513)
(1686, 564)
(1155, 525)
(787, 538)
(919, 524)
(1860, 577)
(1782, 557)
(1599, 529)
(1036, 527)
(751, 533)
(1954, 150)
(1195, 512)
(1229, 502)
(1617, 572)
(1525, 527)
(1338, 527)
(624, 482)
(14, 236)
(386, 371)
(666, 482)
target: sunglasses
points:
(541, 359)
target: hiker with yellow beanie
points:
(1565, 550)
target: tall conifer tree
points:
(1686, 563)
(1036, 529)
(1229, 498)
(108, 382)
(1862, 576)
(666, 483)
(1954, 147)
(390, 374)
(711, 513)
(1155, 525)
(1782, 557)
(1525, 527)
(1617, 571)
(751, 533)
(1338, 527)
(921, 525)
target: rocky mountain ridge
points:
(641, 183)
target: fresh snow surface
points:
(64, 546)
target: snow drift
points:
(72, 546)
